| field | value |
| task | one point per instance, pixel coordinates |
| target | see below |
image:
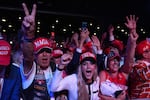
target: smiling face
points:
(88, 69)
(113, 65)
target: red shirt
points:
(139, 80)
(119, 79)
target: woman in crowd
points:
(114, 80)
(81, 86)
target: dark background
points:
(99, 12)
(107, 10)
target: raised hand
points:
(96, 42)
(131, 22)
(84, 34)
(28, 23)
(110, 29)
(74, 38)
(65, 59)
(133, 38)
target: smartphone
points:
(117, 93)
(84, 25)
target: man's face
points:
(43, 58)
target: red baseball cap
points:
(41, 43)
(87, 56)
(117, 44)
(142, 47)
(112, 55)
(57, 53)
(5, 53)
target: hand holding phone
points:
(84, 25)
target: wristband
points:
(28, 40)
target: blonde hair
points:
(82, 91)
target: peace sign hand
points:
(28, 24)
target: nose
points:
(44, 53)
(116, 61)
(88, 65)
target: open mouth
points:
(88, 72)
(44, 59)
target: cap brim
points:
(43, 48)
(115, 57)
(89, 59)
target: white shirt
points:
(70, 83)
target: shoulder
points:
(71, 77)
(103, 72)
(123, 75)
(12, 67)
(70, 80)
(103, 75)
(12, 71)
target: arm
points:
(28, 29)
(75, 39)
(73, 65)
(131, 43)
(58, 78)
(110, 32)
(60, 83)
(100, 56)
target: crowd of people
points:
(85, 68)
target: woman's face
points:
(113, 65)
(88, 70)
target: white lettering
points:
(41, 42)
(4, 48)
(3, 52)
